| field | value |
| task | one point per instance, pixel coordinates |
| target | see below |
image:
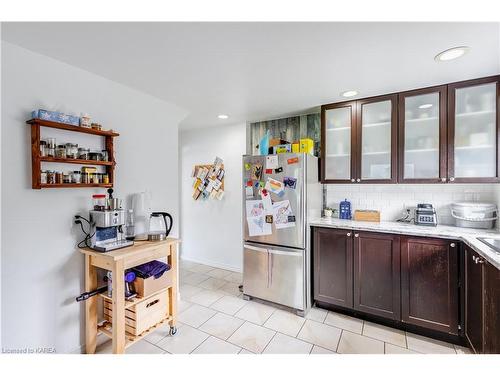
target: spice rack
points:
(36, 159)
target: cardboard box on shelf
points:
(146, 287)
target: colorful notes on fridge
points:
(274, 186)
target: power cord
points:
(85, 242)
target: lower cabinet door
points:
(429, 283)
(474, 318)
(377, 288)
(491, 309)
(332, 253)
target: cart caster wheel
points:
(173, 331)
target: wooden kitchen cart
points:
(117, 261)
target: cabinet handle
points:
(443, 179)
(356, 235)
(477, 260)
(348, 234)
(353, 180)
(453, 244)
(358, 180)
(452, 179)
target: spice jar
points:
(59, 178)
(95, 178)
(66, 178)
(76, 177)
(96, 126)
(85, 178)
(95, 156)
(43, 148)
(105, 178)
(61, 152)
(43, 177)
(71, 150)
(51, 177)
(51, 147)
(104, 155)
(83, 153)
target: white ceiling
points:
(255, 71)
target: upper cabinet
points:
(422, 135)
(337, 142)
(473, 120)
(439, 134)
(359, 141)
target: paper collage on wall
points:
(266, 208)
(208, 180)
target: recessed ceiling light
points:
(349, 93)
(452, 53)
(223, 117)
(425, 106)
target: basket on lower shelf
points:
(143, 315)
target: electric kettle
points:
(158, 227)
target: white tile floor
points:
(214, 319)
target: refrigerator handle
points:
(260, 249)
(268, 269)
(271, 260)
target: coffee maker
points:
(107, 227)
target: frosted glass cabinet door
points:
(338, 128)
(376, 135)
(422, 135)
(473, 131)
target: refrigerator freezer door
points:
(275, 274)
(292, 236)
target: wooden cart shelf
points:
(117, 261)
(136, 300)
(107, 329)
(37, 159)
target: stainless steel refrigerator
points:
(276, 264)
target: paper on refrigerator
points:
(256, 218)
(283, 214)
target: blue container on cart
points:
(345, 210)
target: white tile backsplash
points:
(392, 200)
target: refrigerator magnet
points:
(249, 192)
(291, 218)
(256, 171)
(290, 182)
(256, 184)
(278, 170)
(272, 162)
(249, 183)
(293, 160)
(269, 171)
(269, 219)
(274, 186)
(247, 166)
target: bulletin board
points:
(209, 180)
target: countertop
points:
(467, 235)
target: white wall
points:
(42, 271)
(211, 229)
(391, 200)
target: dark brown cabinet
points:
(482, 304)
(422, 135)
(359, 141)
(377, 274)
(429, 283)
(332, 253)
(440, 134)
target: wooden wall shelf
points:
(73, 128)
(74, 161)
(36, 159)
(48, 186)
